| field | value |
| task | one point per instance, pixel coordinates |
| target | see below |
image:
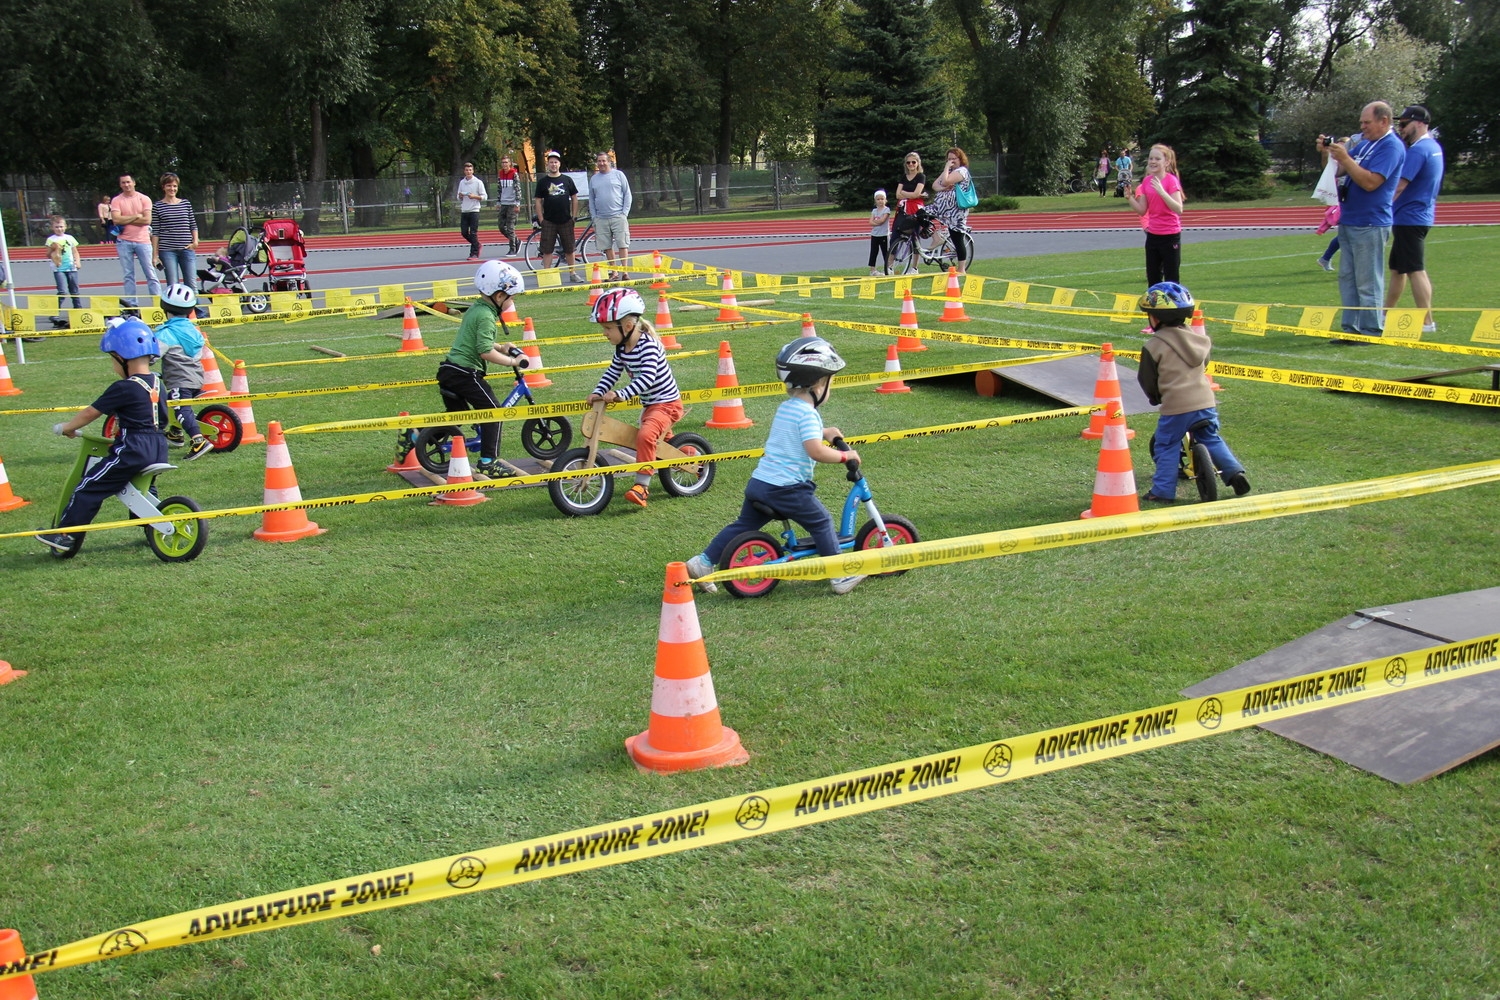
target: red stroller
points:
(286, 256)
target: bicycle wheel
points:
(751, 549)
(688, 480)
(901, 253)
(433, 449)
(220, 425)
(532, 249)
(544, 438)
(187, 538)
(586, 250)
(590, 493)
(1204, 476)
(902, 532)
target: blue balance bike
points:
(544, 438)
(757, 548)
(172, 541)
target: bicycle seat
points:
(767, 510)
(156, 467)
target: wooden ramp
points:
(1403, 737)
(1069, 380)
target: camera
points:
(1326, 140)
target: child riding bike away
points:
(1173, 375)
(783, 480)
(135, 403)
(181, 374)
(620, 315)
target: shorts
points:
(554, 233)
(1408, 249)
(613, 232)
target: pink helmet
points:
(616, 304)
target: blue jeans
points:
(796, 502)
(130, 253)
(1362, 278)
(67, 280)
(179, 265)
(1166, 446)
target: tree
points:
(1463, 94)
(886, 103)
(1214, 87)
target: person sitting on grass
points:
(181, 344)
(620, 314)
(460, 375)
(1174, 376)
(783, 480)
(135, 403)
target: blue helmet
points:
(1166, 296)
(131, 338)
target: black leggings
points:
(880, 245)
(465, 389)
(1163, 258)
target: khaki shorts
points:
(613, 232)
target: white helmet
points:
(806, 360)
(179, 295)
(497, 276)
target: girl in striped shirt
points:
(620, 315)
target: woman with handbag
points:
(955, 195)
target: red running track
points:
(1469, 213)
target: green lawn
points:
(422, 681)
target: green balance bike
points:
(172, 541)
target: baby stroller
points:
(229, 272)
(286, 256)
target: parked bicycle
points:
(942, 242)
(583, 247)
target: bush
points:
(997, 203)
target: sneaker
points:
(175, 436)
(699, 566)
(515, 247)
(495, 469)
(1238, 483)
(201, 446)
(577, 278)
(62, 543)
(910, 269)
(1153, 498)
(638, 494)
(844, 584)
(1429, 328)
(473, 256)
(875, 272)
(1325, 263)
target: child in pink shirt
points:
(1158, 199)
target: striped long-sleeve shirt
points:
(650, 376)
(173, 224)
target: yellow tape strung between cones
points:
(773, 810)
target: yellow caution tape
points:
(1015, 541)
(788, 807)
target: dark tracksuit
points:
(135, 403)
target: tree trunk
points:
(620, 124)
(368, 209)
(317, 169)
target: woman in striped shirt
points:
(174, 234)
(620, 315)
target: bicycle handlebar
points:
(852, 465)
(516, 352)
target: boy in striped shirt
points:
(620, 315)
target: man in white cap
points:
(1414, 211)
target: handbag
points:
(964, 195)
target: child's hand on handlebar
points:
(62, 429)
(609, 397)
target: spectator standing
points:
(911, 189)
(508, 193)
(880, 228)
(609, 205)
(1124, 170)
(131, 211)
(945, 200)
(556, 206)
(174, 234)
(1158, 200)
(471, 198)
(1101, 172)
(1414, 211)
(62, 252)
(1365, 222)
(108, 231)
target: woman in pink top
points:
(1158, 200)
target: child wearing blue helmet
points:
(1174, 376)
(135, 403)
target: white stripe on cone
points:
(4, 479)
(291, 494)
(459, 468)
(679, 623)
(1114, 484)
(683, 698)
(278, 457)
(1114, 438)
(726, 366)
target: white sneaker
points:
(1325, 263)
(1429, 328)
(844, 584)
(874, 272)
(699, 566)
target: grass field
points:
(422, 681)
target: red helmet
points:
(617, 303)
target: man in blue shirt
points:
(1365, 224)
(1414, 211)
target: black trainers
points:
(201, 446)
(59, 543)
(495, 469)
(1238, 483)
(175, 436)
(1153, 498)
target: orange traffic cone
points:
(908, 342)
(659, 277)
(240, 383)
(11, 950)
(1106, 391)
(281, 487)
(728, 413)
(411, 332)
(892, 364)
(8, 500)
(664, 323)
(408, 462)
(1198, 327)
(7, 674)
(213, 379)
(536, 375)
(7, 387)
(1114, 483)
(808, 330)
(596, 286)
(686, 733)
(509, 314)
(953, 307)
(459, 472)
(729, 307)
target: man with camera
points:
(1365, 223)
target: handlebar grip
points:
(852, 465)
(516, 352)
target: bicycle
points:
(1069, 184)
(942, 252)
(1195, 464)
(170, 541)
(544, 438)
(216, 421)
(591, 493)
(584, 249)
(759, 548)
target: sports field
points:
(422, 681)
